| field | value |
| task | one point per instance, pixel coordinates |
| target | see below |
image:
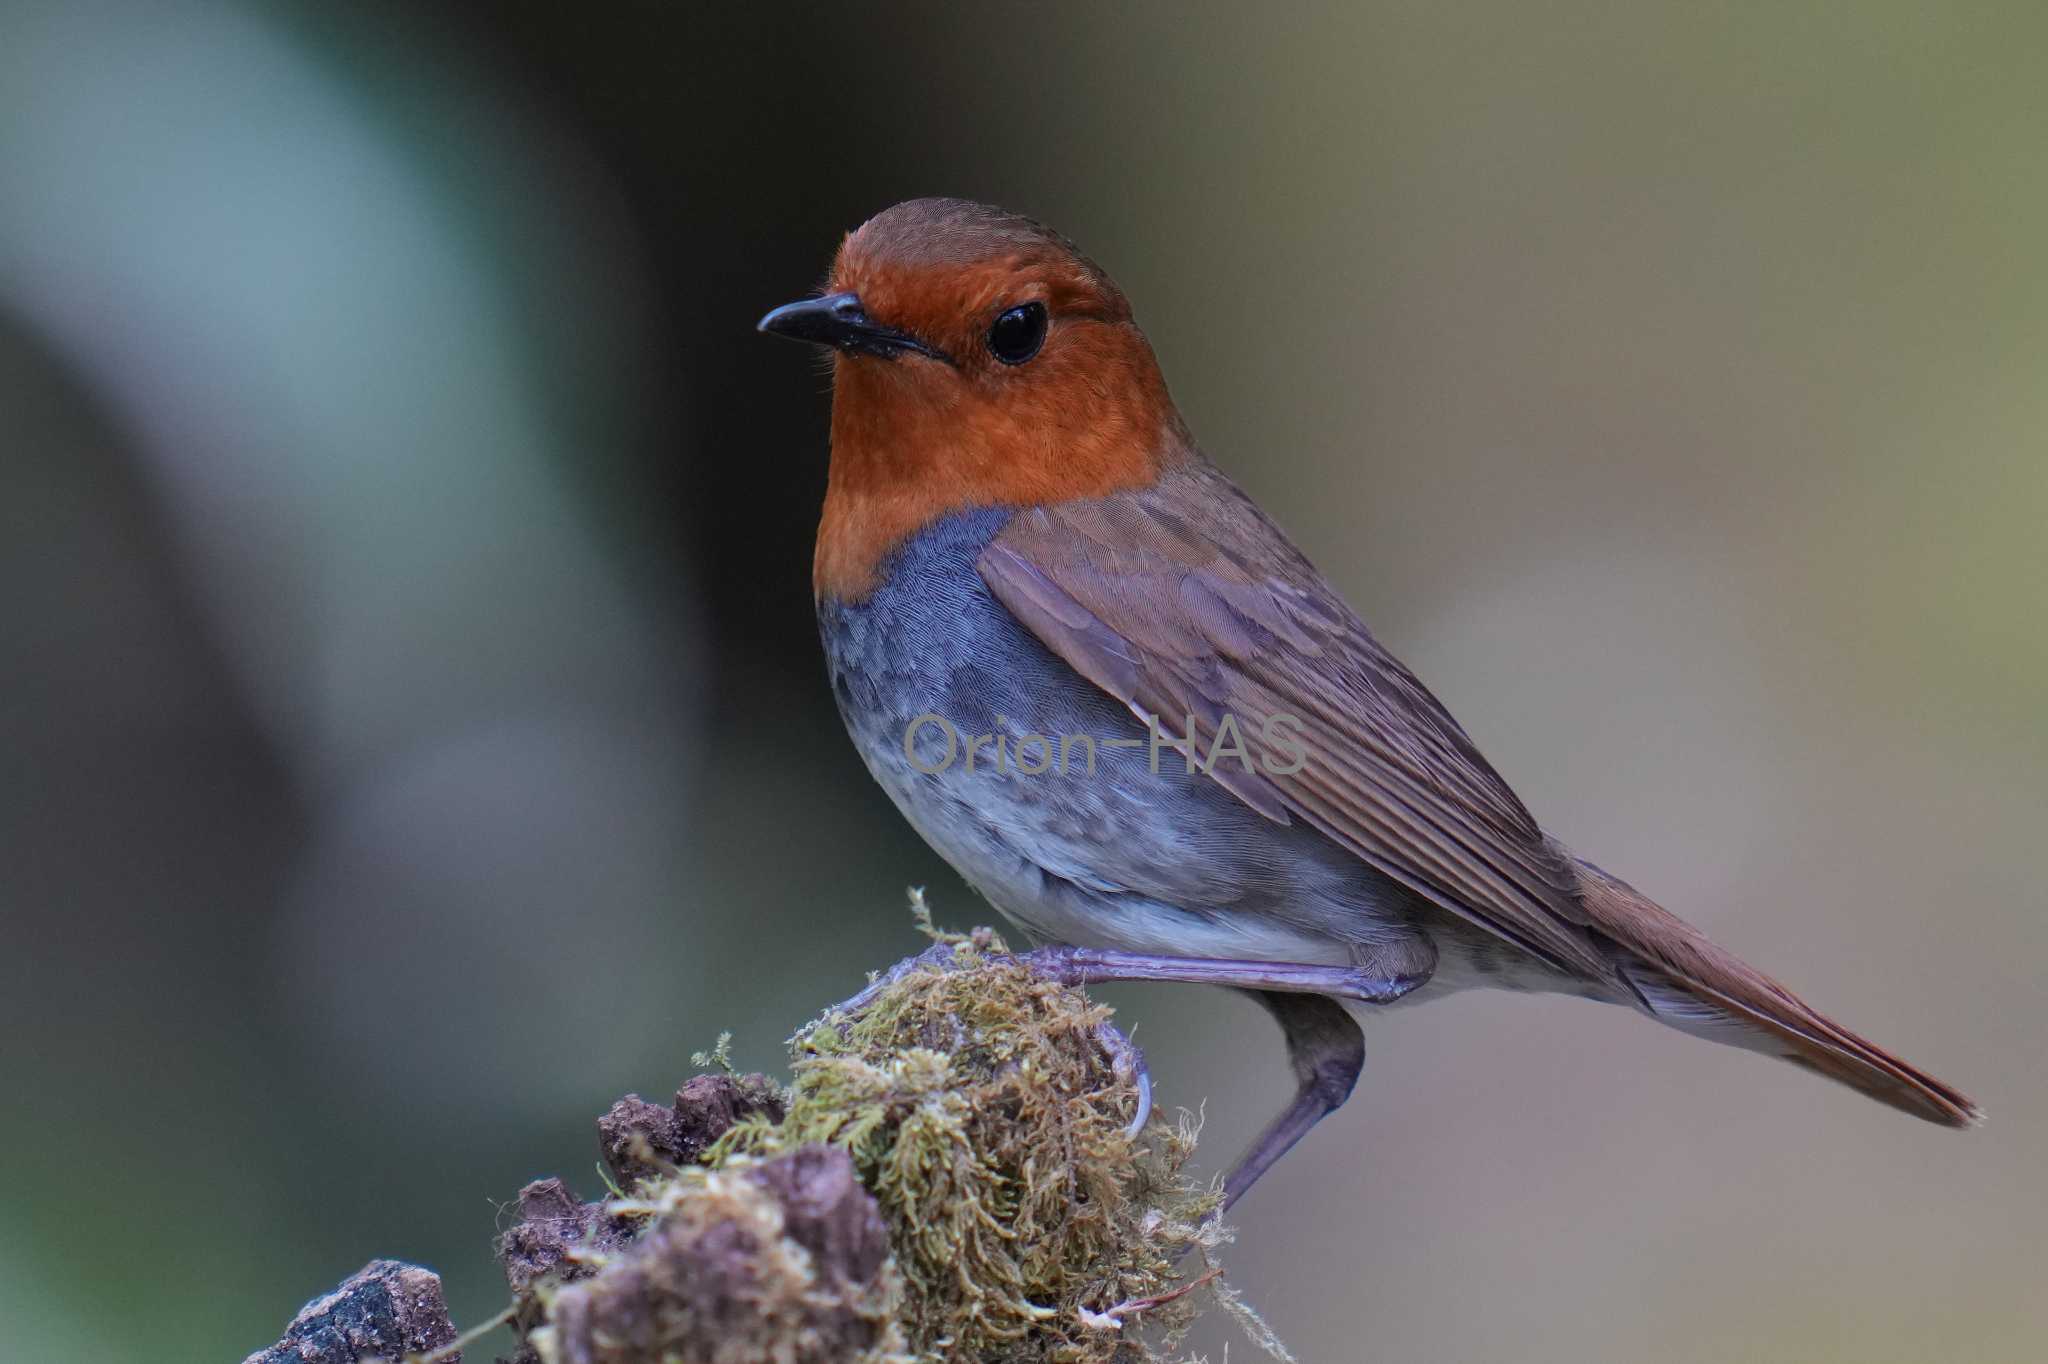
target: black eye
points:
(1018, 333)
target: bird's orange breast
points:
(907, 450)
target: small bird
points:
(1108, 690)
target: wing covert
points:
(1219, 627)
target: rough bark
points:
(387, 1309)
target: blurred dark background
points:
(410, 717)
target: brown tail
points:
(1682, 979)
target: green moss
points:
(951, 1176)
(982, 1108)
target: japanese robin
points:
(1114, 695)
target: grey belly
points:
(1122, 855)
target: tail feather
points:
(1683, 979)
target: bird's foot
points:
(1125, 1059)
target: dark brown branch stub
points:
(639, 1139)
(387, 1309)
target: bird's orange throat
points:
(913, 442)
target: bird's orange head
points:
(980, 361)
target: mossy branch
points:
(961, 1168)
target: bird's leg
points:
(1326, 1047)
(1327, 1050)
(1091, 966)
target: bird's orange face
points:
(981, 362)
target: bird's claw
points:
(1054, 964)
(1129, 1064)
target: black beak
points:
(838, 320)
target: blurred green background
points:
(410, 718)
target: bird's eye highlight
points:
(1016, 336)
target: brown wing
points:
(1183, 600)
